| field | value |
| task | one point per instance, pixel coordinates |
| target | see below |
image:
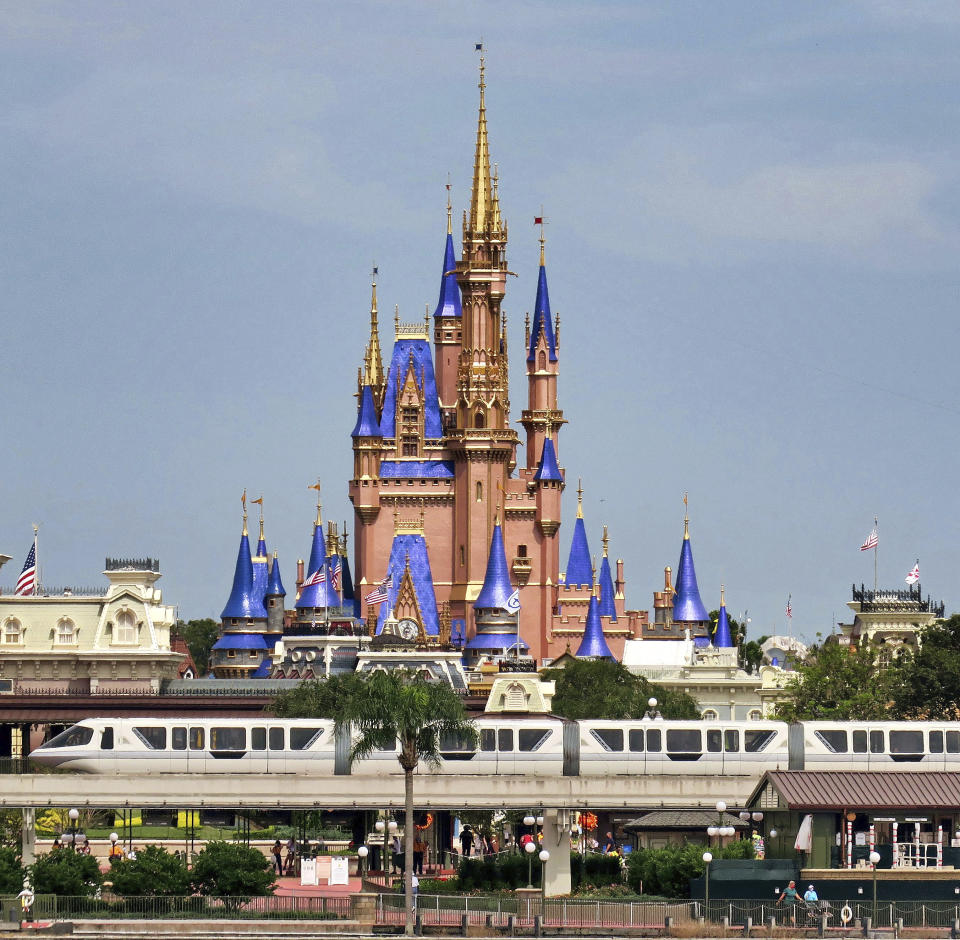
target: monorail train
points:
(532, 745)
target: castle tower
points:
(688, 610)
(482, 444)
(722, 638)
(541, 417)
(273, 598)
(607, 600)
(372, 360)
(579, 571)
(594, 643)
(448, 328)
(317, 594)
(261, 561)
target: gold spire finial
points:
(722, 601)
(449, 209)
(259, 502)
(316, 486)
(539, 220)
(396, 321)
(579, 497)
(481, 198)
(606, 541)
(594, 586)
(686, 518)
(243, 500)
(372, 359)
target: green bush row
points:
(668, 871)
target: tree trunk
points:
(408, 831)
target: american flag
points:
(789, 607)
(27, 582)
(335, 578)
(871, 541)
(318, 577)
(380, 593)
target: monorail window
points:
(936, 742)
(154, 738)
(228, 739)
(106, 739)
(178, 738)
(77, 736)
(196, 739)
(683, 741)
(714, 742)
(653, 741)
(258, 739)
(953, 742)
(636, 739)
(876, 742)
(754, 741)
(731, 741)
(302, 738)
(610, 738)
(859, 742)
(505, 739)
(906, 742)
(835, 741)
(488, 740)
(276, 739)
(454, 742)
(532, 739)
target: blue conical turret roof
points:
(548, 468)
(542, 319)
(687, 606)
(368, 425)
(243, 601)
(323, 594)
(606, 602)
(449, 303)
(274, 584)
(579, 567)
(722, 638)
(594, 643)
(261, 566)
(496, 588)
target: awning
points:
(833, 790)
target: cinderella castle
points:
(457, 545)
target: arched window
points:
(478, 420)
(542, 361)
(11, 631)
(710, 715)
(125, 629)
(65, 631)
(479, 492)
(754, 715)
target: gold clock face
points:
(408, 629)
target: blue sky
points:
(752, 243)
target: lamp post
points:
(362, 854)
(544, 858)
(874, 859)
(651, 713)
(73, 815)
(381, 827)
(720, 830)
(530, 848)
(707, 859)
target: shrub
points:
(668, 871)
(12, 872)
(65, 873)
(594, 870)
(153, 873)
(228, 870)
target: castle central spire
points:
(481, 198)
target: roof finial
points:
(579, 497)
(723, 603)
(538, 220)
(243, 499)
(686, 518)
(259, 502)
(316, 486)
(481, 199)
(449, 209)
(344, 551)
(593, 565)
(606, 541)
(396, 321)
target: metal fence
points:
(839, 913)
(54, 907)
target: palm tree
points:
(419, 717)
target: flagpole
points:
(36, 560)
(876, 549)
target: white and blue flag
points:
(513, 602)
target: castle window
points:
(125, 629)
(521, 551)
(463, 557)
(479, 492)
(542, 361)
(11, 631)
(65, 631)
(409, 448)
(478, 421)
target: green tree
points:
(604, 689)
(12, 872)
(153, 873)
(667, 871)
(66, 873)
(317, 698)
(400, 709)
(751, 654)
(838, 683)
(927, 683)
(199, 635)
(232, 872)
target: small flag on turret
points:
(914, 575)
(479, 47)
(789, 607)
(513, 602)
(538, 220)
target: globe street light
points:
(874, 859)
(530, 848)
(544, 858)
(362, 852)
(529, 820)
(74, 815)
(707, 858)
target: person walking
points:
(466, 841)
(419, 850)
(278, 857)
(792, 895)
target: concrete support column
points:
(29, 836)
(556, 840)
